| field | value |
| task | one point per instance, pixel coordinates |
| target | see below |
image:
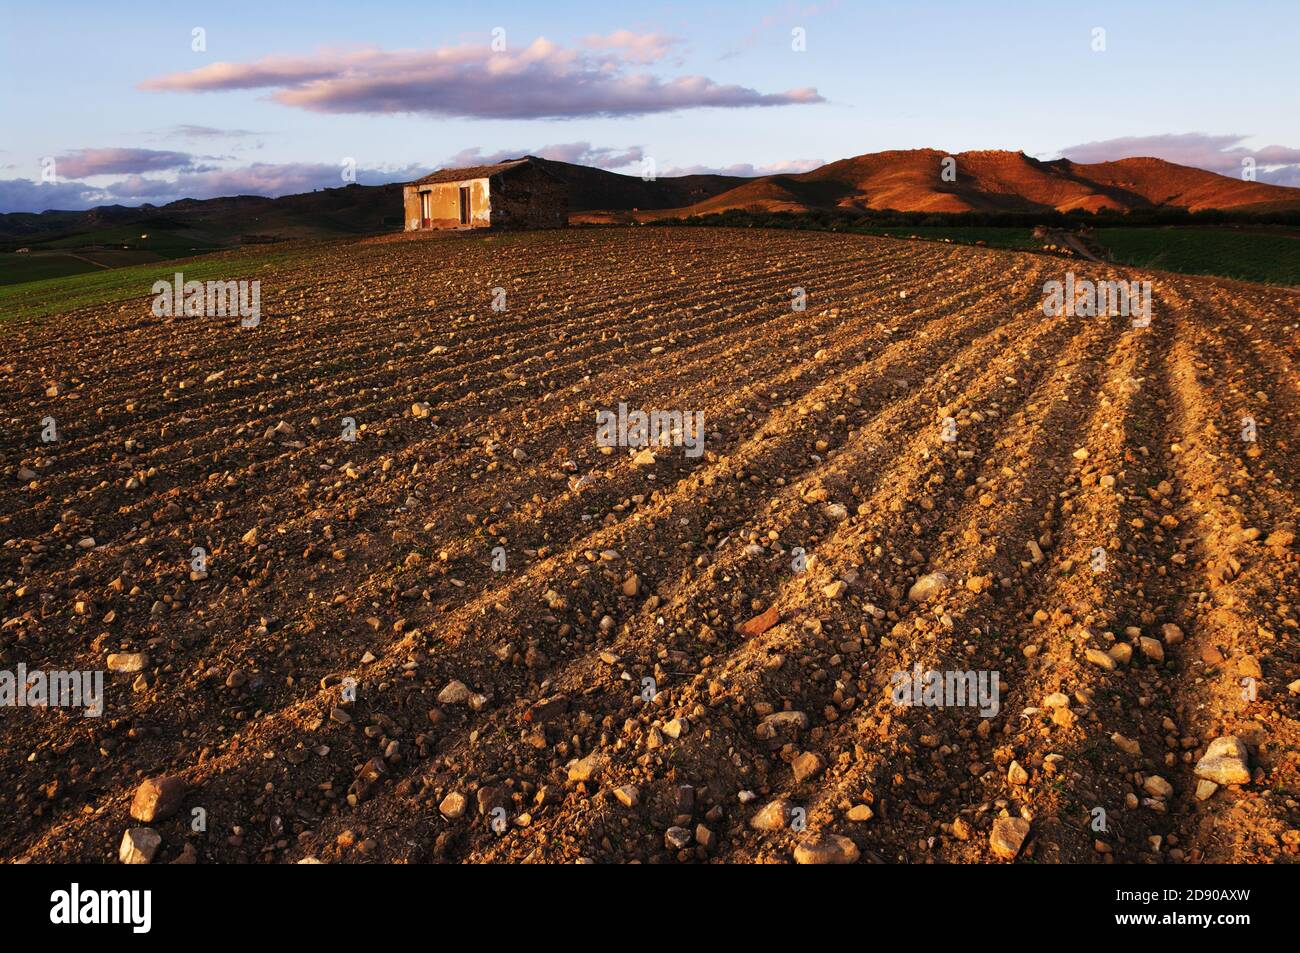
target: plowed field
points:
(359, 674)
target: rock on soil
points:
(929, 587)
(139, 845)
(157, 798)
(1008, 836)
(127, 662)
(773, 816)
(825, 849)
(1226, 762)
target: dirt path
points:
(1075, 244)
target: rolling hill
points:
(592, 189)
(349, 210)
(68, 242)
(202, 224)
(900, 180)
(996, 181)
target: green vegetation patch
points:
(1265, 256)
(1249, 248)
(15, 269)
(36, 299)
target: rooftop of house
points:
(472, 172)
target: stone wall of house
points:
(527, 197)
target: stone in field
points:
(1008, 836)
(825, 849)
(139, 845)
(157, 798)
(1225, 762)
(928, 587)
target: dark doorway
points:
(464, 204)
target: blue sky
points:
(285, 92)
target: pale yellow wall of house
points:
(444, 204)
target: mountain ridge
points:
(901, 180)
(997, 181)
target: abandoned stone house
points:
(517, 193)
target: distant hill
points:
(591, 188)
(222, 222)
(996, 181)
(899, 180)
(327, 213)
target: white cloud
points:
(541, 80)
(578, 153)
(84, 163)
(748, 169)
(261, 178)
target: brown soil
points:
(373, 560)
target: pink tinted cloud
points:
(540, 80)
(1223, 154)
(262, 178)
(24, 195)
(748, 169)
(634, 47)
(259, 178)
(82, 163)
(579, 153)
